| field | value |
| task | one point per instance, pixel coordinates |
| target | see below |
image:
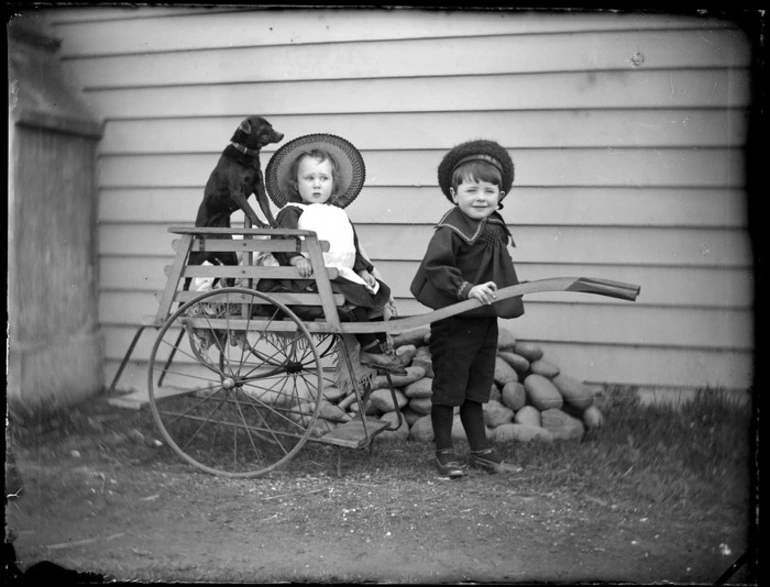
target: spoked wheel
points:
(242, 392)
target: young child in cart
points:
(313, 179)
(467, 257)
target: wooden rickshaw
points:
(236, 380)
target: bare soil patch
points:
(106, 500)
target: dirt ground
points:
(130, 511)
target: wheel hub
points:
(293, 367)
(228, 383)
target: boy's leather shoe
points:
(448, 465)
(490, 461)
(384, 362)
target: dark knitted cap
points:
(480, 150)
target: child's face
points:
(314, 180)
(476, 199)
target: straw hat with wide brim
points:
(349, 180)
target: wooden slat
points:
(650, 206)
(672, 168)
(594, 321)
(236, 324)
(139, 30)
(322, 284)
(612, 363)
(671, 366)
(688, 88)
(174, 275)
(617, 128)
(571, 206)
(290, 299)
(252, 245)
(614, 289)
(585, 244)
(233, 231)
(79, 15)
(623, 168)
(627, 245)
(623, 324)
(705, 287)
(593, 286)
(240, 240)
(140, 398)
(248, 271)
(421, 57)
(354, 434)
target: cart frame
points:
(256, 374)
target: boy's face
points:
(476, 199)
(314, 180)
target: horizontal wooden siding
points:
(627, 130)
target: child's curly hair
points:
(320, 155)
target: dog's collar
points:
(245, 150)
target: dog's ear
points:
(245, 127)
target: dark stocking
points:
(441, 418)
(472, 417)
(370, 342)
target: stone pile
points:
(531, 398)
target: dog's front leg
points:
(262, 200)
(237, 193)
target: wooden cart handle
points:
(604, 287)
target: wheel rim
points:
(239, 398)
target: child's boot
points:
(448, 465)
(489, 460)
(384, 360)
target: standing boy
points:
(468, 258)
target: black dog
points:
(237, 175)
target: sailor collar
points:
(467, 228)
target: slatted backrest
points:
(250, 243)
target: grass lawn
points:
(689, 469)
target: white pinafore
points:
(332, 224)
